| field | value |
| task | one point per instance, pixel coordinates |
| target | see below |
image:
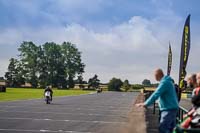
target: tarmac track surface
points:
(74, 114)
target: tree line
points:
(57, 65)
(48, 64)
(116, 84)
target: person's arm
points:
(159, 91)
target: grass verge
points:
(13, 94)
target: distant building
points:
(26, 85)
(84, 86)
(2, 83)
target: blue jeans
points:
(167, 121)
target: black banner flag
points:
(185, 49)
(169, 66)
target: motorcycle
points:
(99, 90)
(48, 97)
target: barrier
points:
(147, 94)
(181, 112)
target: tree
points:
(29, 59)
(1, 78)
(63, 64)
(53, 65)
(43, 77)
(146, 82)
(72, 62)
(94, 82)
(115, 84)
(50, 64)
(126, 86)
(80, 81)
(137, 87)
(14, 76)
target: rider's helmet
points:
(47, 87)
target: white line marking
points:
(107, 122)
(112, 110)
(90, 114)
(69, 106)
(42, 130)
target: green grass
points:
(27, 93)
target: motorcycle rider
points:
(50, 90)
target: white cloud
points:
(130, 50)
(4, 65)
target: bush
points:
(115, 84)
(137, 87)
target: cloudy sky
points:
(126, 39)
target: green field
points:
(24, 93)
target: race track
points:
(74, 114)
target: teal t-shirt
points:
(166, 95)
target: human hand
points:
(140, 105)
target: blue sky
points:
(118, 38)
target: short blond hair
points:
(193, 77)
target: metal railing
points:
(192, 130)
(181, 112)
(147, 94)
(180, 116)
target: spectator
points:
(192, 118)
(198, 78)
(192, 83)
(168, 102)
